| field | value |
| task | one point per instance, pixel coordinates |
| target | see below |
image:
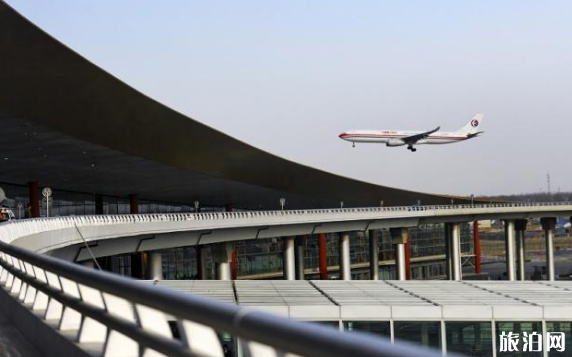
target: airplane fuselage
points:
(393, 137)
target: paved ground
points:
(12, 344)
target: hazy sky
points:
(289, 76)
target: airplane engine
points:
(395, 142)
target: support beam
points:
(520, 227)
(222, 255)
(373, 254)
(299, 257)
(345, 261)
(477, 246)
(322, 251)
(509, 240)
(548, 225)
(289, 259)
(455, 246)
(156, 265)
(399, 238)
(34, 196)
(133, 204)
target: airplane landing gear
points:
(353, 145)
(410, 147)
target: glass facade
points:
(518, 328)
(566, 328)
(472, 339)
(426, 334)
(378, 328)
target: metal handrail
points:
(22, 270)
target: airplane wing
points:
(474, 135)
(415, 138)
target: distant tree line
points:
(535, 197)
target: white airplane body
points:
(411, 138)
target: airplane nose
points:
(342, 135)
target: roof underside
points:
(72, 126)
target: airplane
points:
(412, 138)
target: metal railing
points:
(116, 316)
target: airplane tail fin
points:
(473, 126)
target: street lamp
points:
(282, 203)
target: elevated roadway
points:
(115, 234)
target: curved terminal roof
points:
(71, 125)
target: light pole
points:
(282, 203)
(47, 193)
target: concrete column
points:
(201, 262)
(407, 251)
(323, 256)
(373, 254)
(509, 239)
(520, 227)
(133, 204)
(299, 257)
(222, 255)
(288, 260)
(456, 252)
(477, 246)
(548, 225)
(399, 238)
(156, 265)
(34, 196)
(400, 261)
(345, 261)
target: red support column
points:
(323, 256)
(34, 195)
(477, 243)
(233, 265)
(407, 260)
(133, 204)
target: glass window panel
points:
(379, 328)
(565, 327)
(427, 334)
(472, 339)
(517, 328)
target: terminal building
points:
(202, 213)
